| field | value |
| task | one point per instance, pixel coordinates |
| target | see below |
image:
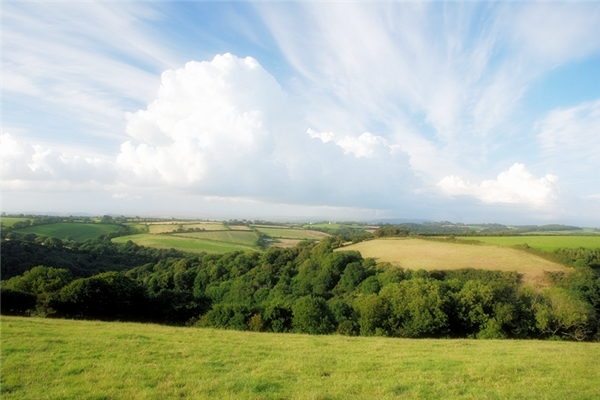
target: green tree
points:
(563, 313)
(312, 315)
(40, 279)
(417, 307)
(374, 313)
(107, 296)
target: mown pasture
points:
(541, 242)
(431, 255)
(74, 230)
(68, 359)
(189, 244)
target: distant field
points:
(78, 231)
(323, 226)
(238, 227)
(9, 221)
(287, 233)
(188, 244)
(233, 236)
(68, 359)
(138, 226)
(285, 243)
(427, 254)
(545, 243)
(169, 227)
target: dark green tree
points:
(312, 315)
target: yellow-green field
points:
(164, 227)
(429, 255)
(233, 236)
(542, 242)
(9, 221)
(66, 359)
(188, 244)
(287, 233)
(77, 231)
(285, 243)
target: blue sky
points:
(461, 111)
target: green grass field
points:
(188, 244)
(165, 227)
(242, 237)
(66, 359)
(78, 231)
(9, 221)
(541, 242)
(429, 255)
(286, 233)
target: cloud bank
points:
(514, 186)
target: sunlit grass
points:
(233, 236)
(10, 221)
(174, 225)
(287, 233)
(61, 359)
(543, 242)
(77, 231)
(188, 244)
(431, 255)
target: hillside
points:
(60, 359)
(436, 255)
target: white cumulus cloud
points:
(366, 145)
(515, 186)
(226, 128)
(26, 165)
(212, 121)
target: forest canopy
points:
(309, 288)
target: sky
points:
(468, 112)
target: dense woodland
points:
(309, 288)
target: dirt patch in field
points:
(429, 255)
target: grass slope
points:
(165, 227)
(10, 221)
(545, 243)
(429, 255)
(79, 231)
(287, 233)
(63, 359)
(189, 244)
(241, 237)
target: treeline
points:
(79, 259)
(450, 228)
(36, 220)
(313, 289)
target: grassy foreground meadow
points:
(66, 359)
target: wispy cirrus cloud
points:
(405, 107)
(448, 78)
(572, 136)
(84, 62)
